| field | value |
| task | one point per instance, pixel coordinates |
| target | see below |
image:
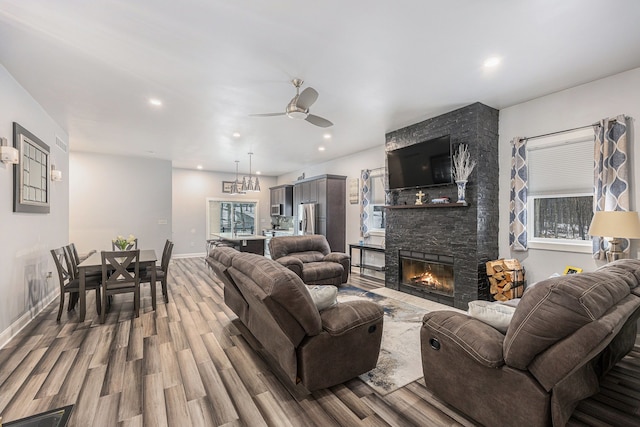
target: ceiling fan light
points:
(296, 114)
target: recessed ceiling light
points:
(327, 136)
(494, 61)
(236, 134)
(155, 102)
(199, 167)
(258, 173)
(321, 148)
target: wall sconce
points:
(8, 154)
(56, 175)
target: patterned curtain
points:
(518, 196)
(611, 174)
(365, 176)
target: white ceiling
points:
(378, 66)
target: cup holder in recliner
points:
(435, 344)
(372, 329)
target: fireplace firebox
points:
(428, 273)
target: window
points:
(375, 210)
(227, 216)
(560, 199)
(560, 217)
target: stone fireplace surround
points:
(468, 234)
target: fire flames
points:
(427, 279)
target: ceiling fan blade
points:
(306, 98)
(318, 121)
(267, 115)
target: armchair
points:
(310, 257)
(566, 332)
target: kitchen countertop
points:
(278, 231)
(237, 237)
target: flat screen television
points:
(424, 164)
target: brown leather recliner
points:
(318, 349)
(310, 257)
(565, 334)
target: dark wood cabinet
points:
(328, 192)
(282, 195)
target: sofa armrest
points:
(456, 333)
(340, 258)
(292, 263)
(346, 316)
(336, 257)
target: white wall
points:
(579, 106)
(26, 239)
(349, 166)
(116, 195)
(191, 189)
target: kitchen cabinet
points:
(282, 195)
(328, 192)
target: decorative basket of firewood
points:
(506, 279)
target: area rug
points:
(400, 362)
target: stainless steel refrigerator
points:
(307, 218)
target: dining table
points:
(93, 263)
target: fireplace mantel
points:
(428, 205)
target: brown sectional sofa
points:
(310, 257)
(565, 334)
(318, 349)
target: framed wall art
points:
(31, 179)
(226, 186)
(572, 270)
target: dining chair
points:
(74, 261)
(162, 271)
(120, 274)
(130, 246)
(70, 284)
(78, 259)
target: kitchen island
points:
(243, 242)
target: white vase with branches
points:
(463, 165)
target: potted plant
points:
(462, 168)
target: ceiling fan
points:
(298, 107)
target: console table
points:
(365, 247)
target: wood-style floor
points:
(188, 365)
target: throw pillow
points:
(492, 313)
(323, 296)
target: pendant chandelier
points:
(250, 185)
(235, 186)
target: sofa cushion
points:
(323, 296)
(308, 256)
(557, 307)
(315, 271)
(494, 314)
(630, 266)
(223, 255)
(286, 245)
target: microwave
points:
(276, 209)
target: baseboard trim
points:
(26, 318)
(193, 255)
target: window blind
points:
(563, 167)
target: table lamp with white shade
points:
(615, 225)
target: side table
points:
(362, 248)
